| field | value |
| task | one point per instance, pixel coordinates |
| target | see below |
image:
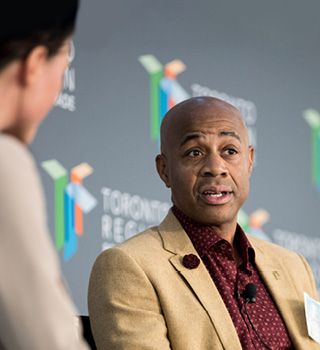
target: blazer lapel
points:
(177, 241)
(284, 294)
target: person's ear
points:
(251, 158)
(161, 163)
(33, 65)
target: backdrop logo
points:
(67, 99)
(253, 223)
(165, 91)
(312, 117)
(71, 200)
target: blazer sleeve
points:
(36, 311)
(124, 308)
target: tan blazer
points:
(36, 311)
(142, 297)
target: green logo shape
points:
(312, 117)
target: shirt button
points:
(223, 246)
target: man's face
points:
(207, 162)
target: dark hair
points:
(47, 24)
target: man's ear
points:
(32, 66)
(251, 158)
(161, 163)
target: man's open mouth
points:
(216, 194)
(216, 197)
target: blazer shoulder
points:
(271, 248)
(146, 245)
(146, 240)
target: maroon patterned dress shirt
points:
(259, 325)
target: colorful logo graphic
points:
(253, 223)
(71, 200)
(312, 117)
(165, 91)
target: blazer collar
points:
(176, 241)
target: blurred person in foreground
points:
(36, 311)
(184, 285)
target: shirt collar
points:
(203, 237)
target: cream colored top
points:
(35, 309)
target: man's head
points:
(206, 159)
(34, 45)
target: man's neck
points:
(225, 230)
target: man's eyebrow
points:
(230, 133)
(196, 135)
(190, 136)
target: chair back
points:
(86, 331)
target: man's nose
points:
(214, 165)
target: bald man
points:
(197, 281)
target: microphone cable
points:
(250, 295)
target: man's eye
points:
(230, 151)
(194, 153)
